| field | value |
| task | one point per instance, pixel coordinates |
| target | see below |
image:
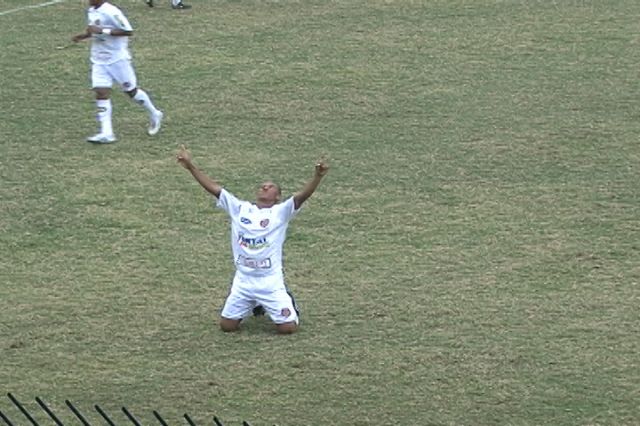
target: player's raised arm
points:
(184, 158)
(320, 171)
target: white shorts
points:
(120, 72)
(269, 291)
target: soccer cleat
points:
(180, 6)
(101, 138)
(149, 3)
(156, 122)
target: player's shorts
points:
(268, 291)
(120, 72)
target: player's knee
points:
(228, 325)
(287, 328)
(102, 93)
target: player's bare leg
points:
(287, 328)
(229, 325)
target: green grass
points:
(471, 258)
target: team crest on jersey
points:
(264, 223)
(245, 220)
(96, 22)
(285, 312)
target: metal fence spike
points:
(133, 419)
(160, 419)
(6, 419)
(191, 423)
(21, 408)
(104, 415)
(48, 411)
(77, 413)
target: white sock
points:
(104, 116)
(143, 99)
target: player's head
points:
(268, 194)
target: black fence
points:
(83, 419)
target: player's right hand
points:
(94, 29)
(183, 156)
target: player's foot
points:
(101, 138)
(258, 311)
(181, 6)
(155, 123)
(149, 3)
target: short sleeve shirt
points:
(257, 234)
(107, 49)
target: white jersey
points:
(107, 49)
(257, 234)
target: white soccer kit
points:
(110, 55)
(257, 240)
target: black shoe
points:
(149, 3)
(181, 6)
(293, 300)
(258, 311)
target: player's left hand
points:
(322, 167)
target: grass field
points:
(472, 258)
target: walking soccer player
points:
(258, 233)
(109, 31)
